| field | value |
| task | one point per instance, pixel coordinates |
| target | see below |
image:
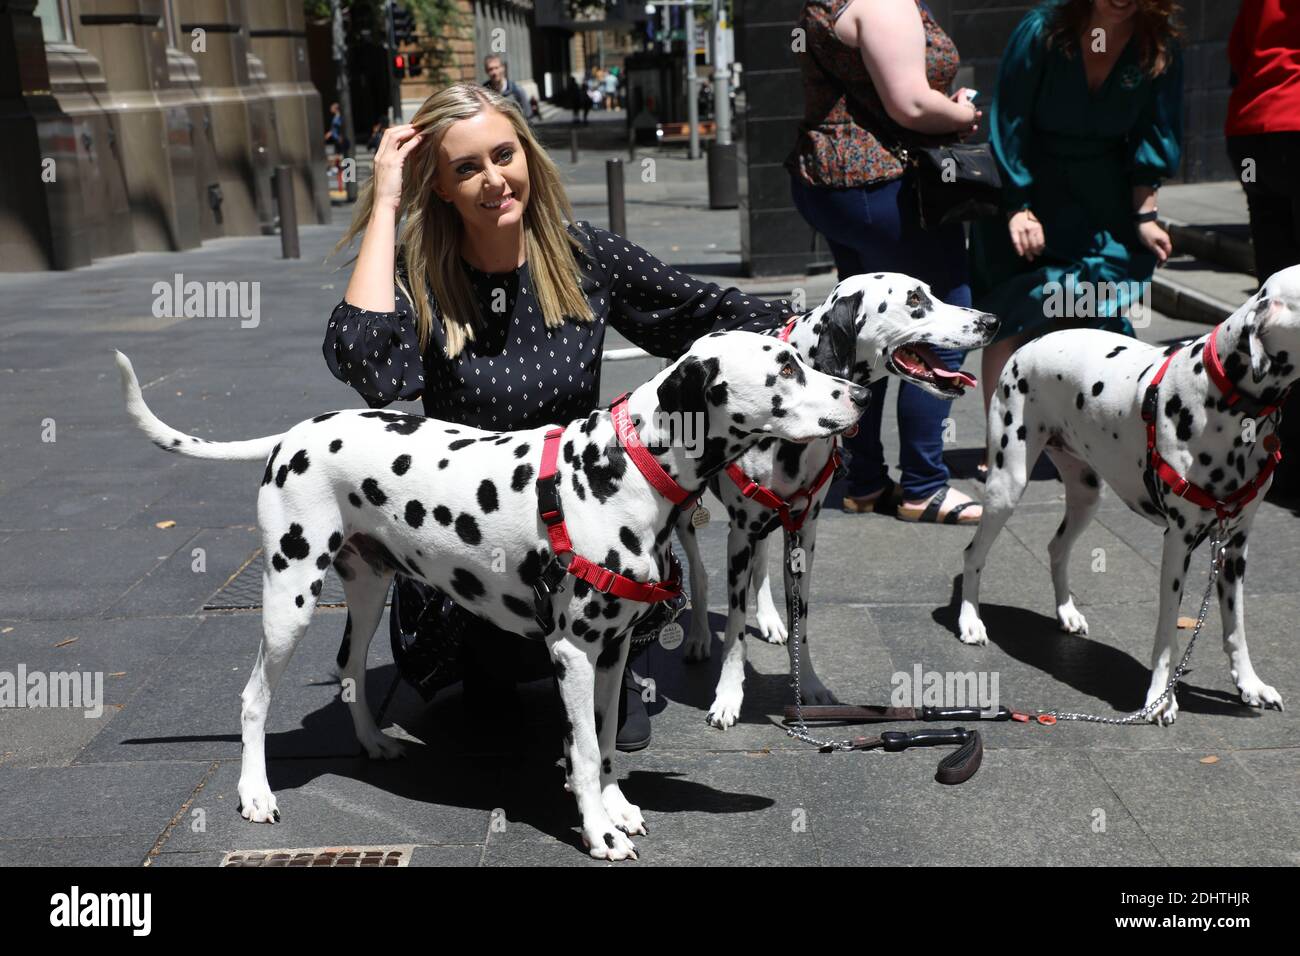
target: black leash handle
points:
(960, 765)
(896, 740)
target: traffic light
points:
(399, 65)
(403, 24)
(413, 66)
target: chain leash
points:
(800, 731)
(1217, 550)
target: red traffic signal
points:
(399, 64)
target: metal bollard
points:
(283, 180)
(573, 145)
(614, 192)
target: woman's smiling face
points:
(1114, 12)
(483, 170)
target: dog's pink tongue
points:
(966, 378)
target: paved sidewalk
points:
(111, 550)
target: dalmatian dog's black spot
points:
(487, 496)
(442, 515)
(293, 544)
(522, 478)
(401, 464)
(270, 464)
(415, 513)
(468, 529)
(374, 494)
(466, 584)
(335, 445)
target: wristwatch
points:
(1149, 216)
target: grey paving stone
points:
(189, 709)
(333, 802)
(103, 563)
(1210, 814)
(91, 815)
(119, 655)
(1022, 808)
(174, 586)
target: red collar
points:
(548, 505)
(789, 327)
(770, 499)
(1231, 393)
(645, 462)
(1157, 467)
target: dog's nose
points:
(989, 323)
(860, 395)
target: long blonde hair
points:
(431, 237)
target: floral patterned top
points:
(837, 144)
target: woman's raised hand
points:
(1156, 239)
(396, 145)
(1026, 234)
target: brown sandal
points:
(884, 501)
(930, 514)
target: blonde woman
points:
(491, 309)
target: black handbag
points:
(954, 183)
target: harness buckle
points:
(604, 580)
(1149, 403)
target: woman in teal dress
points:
(1085, 124)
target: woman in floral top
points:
(875, 74)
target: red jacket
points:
(1264, 51)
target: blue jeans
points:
(877, 229)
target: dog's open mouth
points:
(918, 362)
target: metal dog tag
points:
(700, 516)
(671, 636)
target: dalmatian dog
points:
(868, 322)
(370, 492)
(1080, 395)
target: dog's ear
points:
(1260, 360)
(683, 390)
(837, 348)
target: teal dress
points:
(1073, 157)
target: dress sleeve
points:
(1011, 115)
(662, 310)
(377, 353)
(1155, 142)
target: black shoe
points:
(633, 720)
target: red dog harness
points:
(1224, 508)
(548, 505)
(770, 499)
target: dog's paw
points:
(1259, 694)
(626, 816)
(698, 646)
(771, 625)
(380, 746)
(815, 692)
(1166, 713)
(257, 803)
(1070, 620)
(971, 629)
(725, 710)
(608, 842)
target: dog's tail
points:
(169, 439)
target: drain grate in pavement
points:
(323, 856)
(244, 590)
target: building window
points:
(51, 14)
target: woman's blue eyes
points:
(506, 155)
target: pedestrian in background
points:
(1263, 135)
(498, 81)
(875, 76)
(1085, 123)
(335, 136)
(1263, 127)
(485, 213)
